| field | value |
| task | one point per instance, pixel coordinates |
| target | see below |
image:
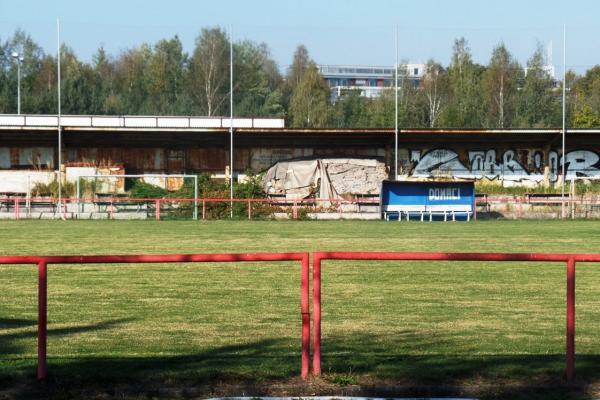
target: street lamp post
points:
(19, 59)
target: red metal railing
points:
(569, 259)
(22, 205)
(570, 205)
(42, 263)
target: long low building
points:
(176, 145)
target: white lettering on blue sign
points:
(451, 193)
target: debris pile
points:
(328, 178)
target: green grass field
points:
(419, 325)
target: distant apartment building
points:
(370, 80)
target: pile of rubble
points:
(328, 178)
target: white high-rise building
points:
(370, 80)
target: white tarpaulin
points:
(327, 178)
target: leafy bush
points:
(496, 189)
(51, 189)
(209, 189)
(581, 188)
(251, 189)
(142, 190)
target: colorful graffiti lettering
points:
(485, 164)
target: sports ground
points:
(471, 328)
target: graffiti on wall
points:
(528, 165)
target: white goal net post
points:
(146, 177)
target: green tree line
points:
(162, 79)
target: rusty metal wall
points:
(161, 160)
(135, 160)
(261, 158)
(207, 159)
(36, 158)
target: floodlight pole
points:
(231, 122)
(19, 86)
(564, 95)
(78, 197)
(59, 206)
(396, 120)
(19, 59)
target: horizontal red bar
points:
(155, 258)
(418, 256)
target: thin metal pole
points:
(396, 120)
(28, 195)
(78, 198)
(231, 121)
(572, 198)
(195, 197)
(59, 125)
(19, 85)
(564, 156)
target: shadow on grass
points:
(374, 365)
(11, 323)
(12, 343)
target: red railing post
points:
(249, 210)
(16, 208)
(317, 314)
(305, 311)
(570, 318)
(157, 209)
(42, 318)
(295, 210)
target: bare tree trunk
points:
(208, 82)
(213, 82)
(433, 99)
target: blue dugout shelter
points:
(406, 200)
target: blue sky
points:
(334, 31)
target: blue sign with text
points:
(430, 198)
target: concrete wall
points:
(23, 181)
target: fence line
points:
(43, 262)
(317, 260)
(570, 260)
(23, 207)
(26, 204)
